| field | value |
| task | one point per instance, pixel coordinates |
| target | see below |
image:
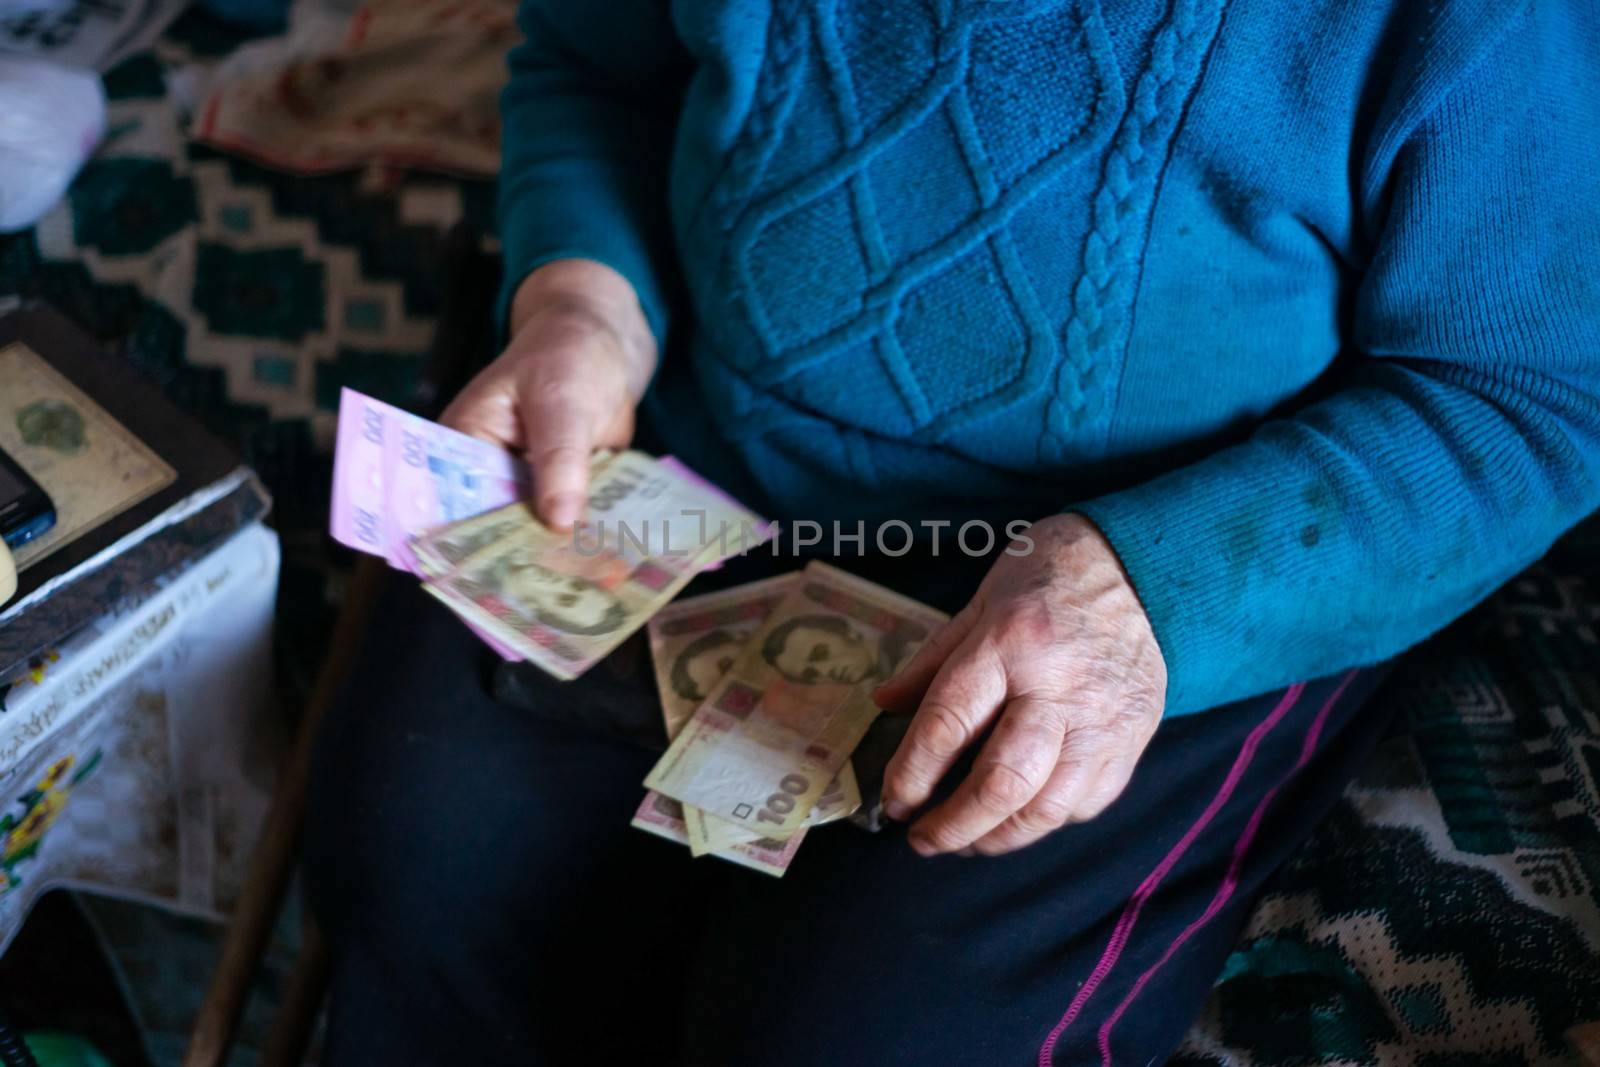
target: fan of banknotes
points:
(765, 688)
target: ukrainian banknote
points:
(762, 748)
(564, 600)
(397, 475)
(440, 549)
(710, 835)
(663, 817)
(693, 642)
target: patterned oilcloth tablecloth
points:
(138, 760)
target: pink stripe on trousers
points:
(1230, 881)
(1130, 912)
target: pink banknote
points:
(357, 512)
(396, 475)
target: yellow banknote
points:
(762, 748)
(664, 817)
(564, 600)
(693, 642)
(440, 550)
(710, 835)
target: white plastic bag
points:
(51, 118)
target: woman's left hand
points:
(1055, 653)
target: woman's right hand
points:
(579, 359)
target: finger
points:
(962, 699)
(559, 435)
(486, 409)
(1081, 787)
(1055, 806)
(904, 691)
(1013, 767)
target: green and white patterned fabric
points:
(250, 295)
(1447, 912)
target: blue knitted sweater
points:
(1300, 303)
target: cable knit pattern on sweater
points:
(1297, 302)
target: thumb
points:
(487, 409)
(559, 437)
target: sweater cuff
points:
(1224, 558)
(579, 209)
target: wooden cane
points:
(271, 864)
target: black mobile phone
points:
(25, 508)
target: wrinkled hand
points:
(580, 357)
(1055, 653)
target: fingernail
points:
(564, 510)
(923, 847)
(896, 810)
(969, 851)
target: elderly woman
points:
(1280, 321)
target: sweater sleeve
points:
(1463, 437)
(587, 119)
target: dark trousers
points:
(488, 903)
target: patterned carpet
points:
(251, 296)
(1447, 913)
(1449, 910)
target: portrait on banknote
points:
(455, 550)
(702, 661)
(570, 603)
(811, 649)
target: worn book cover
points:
(90, 464)
(139, 486)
